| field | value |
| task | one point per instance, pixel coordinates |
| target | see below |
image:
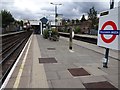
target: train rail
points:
(85, 38)
(12, 45)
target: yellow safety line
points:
(17, 81)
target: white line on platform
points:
(10, 73)
(17, 81)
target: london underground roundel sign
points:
(109, 29)
(113, 32)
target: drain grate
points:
(51, 48)
(99, 86)
(78, 72)
(47, 60)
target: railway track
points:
(12, 46)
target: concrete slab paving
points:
(54, 67)
(94, 71)
(27, 71)
(64, 74)
(24, 82)
(91, 79)
(113, 79)
(111, 70)
(67, 83)
(56, 75)
(50, 84)
(38, 78)
(52, 75)
(81, 57)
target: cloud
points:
(35, 9)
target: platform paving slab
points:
(27, 71)
(39, 79)
(50, 85)
(24, 82)
(52, 75)
(67, 83)
(113, 79)
(90, 79)
(54, 67)
(64, 74)
(81, 57)
(56, 75)
(94, 71)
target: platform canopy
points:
(34, 22)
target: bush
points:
(45, 34)
(77, 30)
(55, 32)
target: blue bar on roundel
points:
(110, 32)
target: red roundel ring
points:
(114, 28)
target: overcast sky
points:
(35, 9)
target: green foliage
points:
(77, 20)
(77, 30)
(92, 15)
(21, 23)
(73, 21)
(68, 20)
(7, 18)
(45, 34)
(55, 32)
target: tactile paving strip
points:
(99, 86)
(47, 60)
(78, 72)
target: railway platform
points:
(50, 64)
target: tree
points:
(77, 21)
(73, 21)
(83, 18)
(68, 20)
(92, 15)
(21, 23)
(77, 30)
(63, 21)
(7, 18)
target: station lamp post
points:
(55, 11)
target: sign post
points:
(109, 30)
(107, 49)
(70, 38)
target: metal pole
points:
(41, 28)
(55, 14)
(70, 39)
(105, 63)
(111, 4)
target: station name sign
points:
(110, 32)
